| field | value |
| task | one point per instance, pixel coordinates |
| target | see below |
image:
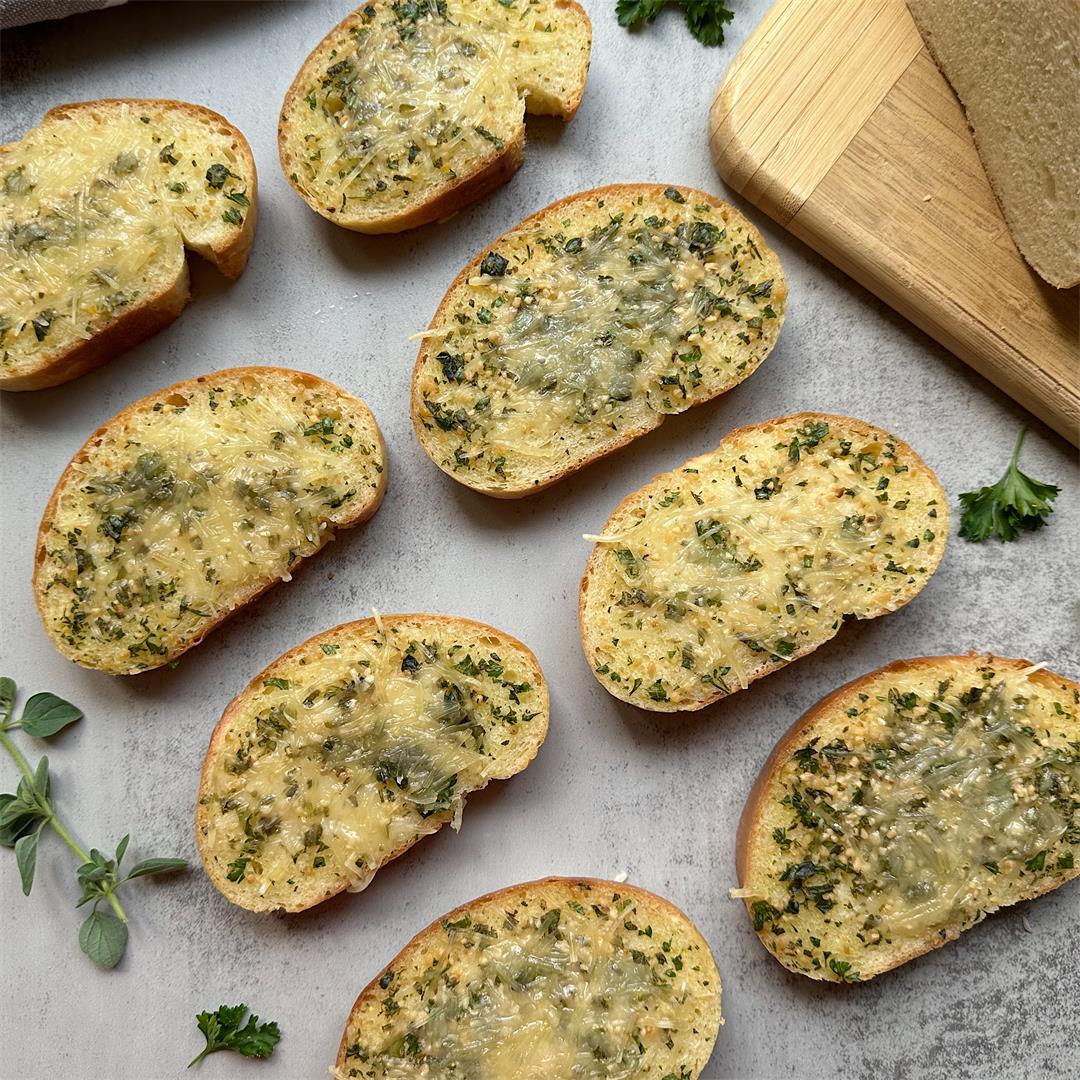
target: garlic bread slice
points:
(97, 206)
(584, 326)
(908, 805)
(191, 502)
(349, 749)
(750, 556)
(406, 112)
(551, 980)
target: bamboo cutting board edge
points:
(835, 121)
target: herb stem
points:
(1019, 443)
(53, 820)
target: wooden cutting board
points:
(835, 121)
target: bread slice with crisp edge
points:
(584, 326)
(190, 503)
(908, 805)
(563, 977)
(355, 745)
(406, 112)
(97, 206)
(752, 555)
(1016, 69)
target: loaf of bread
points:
(1015, 65)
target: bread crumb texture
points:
(558, 978)
(354, 746)
(191, 502)
(913, 803)
(750, 556)
(585, 326)
(404, 101)
(96, 207)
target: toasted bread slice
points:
(750, 556)
(1015, 66)
(191, 502)
(406, 112)
(97, 205)
(560, 978)
(907, 806)
(353, 746)
(584, 326)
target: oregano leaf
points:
(103, 937)
(7, 696)
(156, 866)
(46, 714)
(26, 856)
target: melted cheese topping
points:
(95, 209)
(751, 556)
(199, 499)
(356, 749)
(926, 799)
(589, 988)
(408, 97)
(573, 334)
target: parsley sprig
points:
(25, 814)
(1015, 504)
(705, 18)
(223, 1032)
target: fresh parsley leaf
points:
(1015, 504)
(223, 1032)
(632, 12)
(705, 18)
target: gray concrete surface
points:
(613, 789)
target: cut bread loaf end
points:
(584, 326)
(1015, 66)
(405, 113)
(564, 977)
(905, 807)
(190, 503)
(97, 206)
(746, 558)
(354, 746)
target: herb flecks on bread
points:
(97, 205)
(407, 111)
(584, 326)
(191, 502)
(557, 978)
(355, 745)
(751, 556)
(906, 807)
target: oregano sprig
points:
(25, 814)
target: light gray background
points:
(613, 789)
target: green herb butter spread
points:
(585, 325)
(924, 798)
(95, 210)
(404, 99)
(750, 556)
(355, 746)
(193, 501)
(556, 980)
